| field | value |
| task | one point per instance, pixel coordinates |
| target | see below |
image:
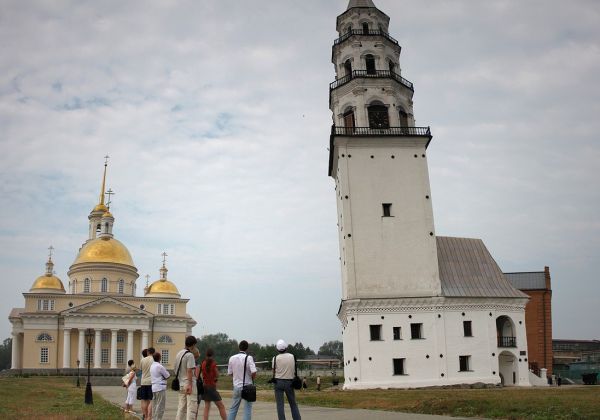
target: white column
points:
(129, 345)
(144, 340)
(97, 349)
(16, 351)
(113, 349)
(81, 347)
(66, 348)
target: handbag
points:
(138, 395)
(175, 384)
(125, 379)
(248, 391)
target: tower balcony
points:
(507, 341)
(380, 131)
(371, 74)
(362, 32)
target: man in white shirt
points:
(188, 406)
(241, 376)
(159, 376)
(284, 369)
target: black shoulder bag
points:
(296, 382)
(248, 391)
(175, 384)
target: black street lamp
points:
(78, 385)
(88, 387)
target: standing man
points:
(185, 362)
(159, 387)
(146, 382)
(241, 376)
(284, 369)
(318, 382)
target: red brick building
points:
(538, 316)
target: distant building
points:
(50, 332)
(572, 351)
(538, 316)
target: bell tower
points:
(378, 159)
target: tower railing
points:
(374, 74)
(370, 32)
(383, 131)
(507, 341)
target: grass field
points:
(50, 398)
(57, 398)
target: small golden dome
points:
(100, 207)
(163, 286)
(48, 282)
(107, 213)
(105, 250)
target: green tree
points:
(5, 353)
(222, 345)
(332, 348)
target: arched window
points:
(98, 228)
(348, 68)
(370, 64)
(104, 285)
(392, 67)
(165, 339)
(365, 27)
(121, 286)
(43, 337)
(349, 121)
(378, 115)
(86, 286)
(349, 28)
(403, 118)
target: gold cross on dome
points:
(109, 193)
(50, 249)
(164, 255)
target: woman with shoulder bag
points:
(210, 374)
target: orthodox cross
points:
(109, 193)
(50, 249)
(106, 160)
(147, 279)
(164, 255)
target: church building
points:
(98, 309)
(417, 309)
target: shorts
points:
(146, 392)
(211, 394)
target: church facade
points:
(417, 309)
(98, 310)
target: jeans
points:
(281, 386)
(236, 399)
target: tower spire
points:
(103, 181)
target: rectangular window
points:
(464, 363)
(44, 355)
(467, 329)
(104, 356)
(387, 209)
(416, 331)
(120, 337)
(375, 332)
(399, 367)
(52, 305)
(105, 337)
(89, 356)
(45, 304)
(164, 359)
(397, 333)
(172, 308)
(120, 356)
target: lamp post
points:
(88, 387)
(78, 385)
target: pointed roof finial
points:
(49, 263)
(50, 249)
(147, 279)
(163, 270)
(109, 193)
(104, 180)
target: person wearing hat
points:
(284, 368)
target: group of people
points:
(193, 376)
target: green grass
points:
(50, 398)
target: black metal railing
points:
(374, 131)
(375, 74)
(507, 341)
(370, 32)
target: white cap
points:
(281, 345)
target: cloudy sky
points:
(215, 115)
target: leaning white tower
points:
(408, 312)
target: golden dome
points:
(48, 282)
(100, 207)
(105, 250)
(163, 286)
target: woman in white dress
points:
(131, 386)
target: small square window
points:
(397, 333)
(375, 332)
(467, 328)
(464, 363)
(399, 367)
(387, 209)
(416, 331)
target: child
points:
(131, 386)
